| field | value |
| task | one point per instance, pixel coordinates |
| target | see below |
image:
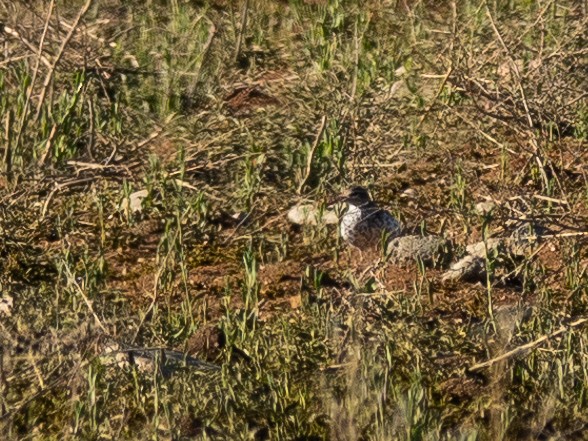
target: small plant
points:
(458, 196)
(172, 46)
(251, 179)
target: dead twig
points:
(205, 52)
(25, 113)
(538, 156)
(154, 135)
(483, 133)
(528, 346)
(568, 234)
(59, 186)
(7, 159)
(72, 280)
(48, 143)
(436, 97)
(311, 154)
(64, 43)
(357, 40)
(241, 31)
(155, 295)
(37, 51)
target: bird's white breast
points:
(350, 219)
(365, 227)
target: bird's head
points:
(355, 195)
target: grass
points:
(226, 114)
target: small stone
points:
(295, 301)
(134, 203)
(409, 193)
(486, 207)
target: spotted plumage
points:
(364, 224)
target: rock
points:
(491, 245)
(470, 268)
(308, 214)
(428, 249)
(508, 317)
(520, 243)
(486, 207)
(134, 203)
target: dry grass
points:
(227, 114)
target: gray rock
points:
(486, 207)
(491, 245)
(467, 268)
(428, 249)
(520, 243)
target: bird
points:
(364, 225)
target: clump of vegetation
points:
(151, 287)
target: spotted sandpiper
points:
(364, 225)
